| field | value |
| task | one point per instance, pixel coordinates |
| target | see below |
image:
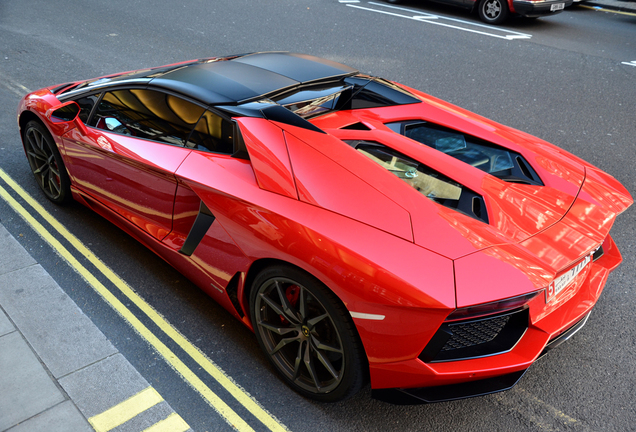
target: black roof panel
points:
(223, 82)
(299, 67)
(248, 77)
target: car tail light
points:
(491, 308)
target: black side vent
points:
(470, 203)
(479, 208)
(521, 172)
(283, 115)
(357, 126)
(66, 87)
(598, 253)
(232, 293)
(472, 338)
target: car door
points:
(134, 142)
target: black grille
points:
(476, 337)
(475, 332)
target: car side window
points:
(86, 105)
(212, 133)
(147, 114)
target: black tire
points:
(493, 11)
(46, 163)
(307, 334)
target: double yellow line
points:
(170, 357)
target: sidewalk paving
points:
(58, 372)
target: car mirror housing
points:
(66, 112)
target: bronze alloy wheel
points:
(303, 332)
(46, 163)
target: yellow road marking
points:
(190, 377)
(126, 410)
(597, 8)
(172, 423)
(202, 360)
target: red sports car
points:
(364, 230)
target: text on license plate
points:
(557, 6)
(557, 285)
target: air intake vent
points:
(472, 338)
(357, 126)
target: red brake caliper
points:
(292, 292)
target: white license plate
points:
(557, 6)
(564, 280)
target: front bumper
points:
(538, 8)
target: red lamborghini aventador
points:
(364, 230)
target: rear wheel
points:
(46, 163)
(493, 11)
(307, 334)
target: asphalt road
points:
(564, 78)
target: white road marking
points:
(443, 21)
(540, 414)
(631, 63)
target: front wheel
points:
(307, 334)
(46, 162)
(493, 11)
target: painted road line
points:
(14, 87)
(631, 63)
(190, 377)
(172, 423)
(126, 410)
(602, 9)
(206, 364)
(467, 26)
(539, 414)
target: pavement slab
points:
(27, 389)
(12, 255)
(59, 332)
(5, 325)
(61, 418)
(57, 369)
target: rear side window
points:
(147, 114)
(212, 133)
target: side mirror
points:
(68, 112)
(67, 116)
